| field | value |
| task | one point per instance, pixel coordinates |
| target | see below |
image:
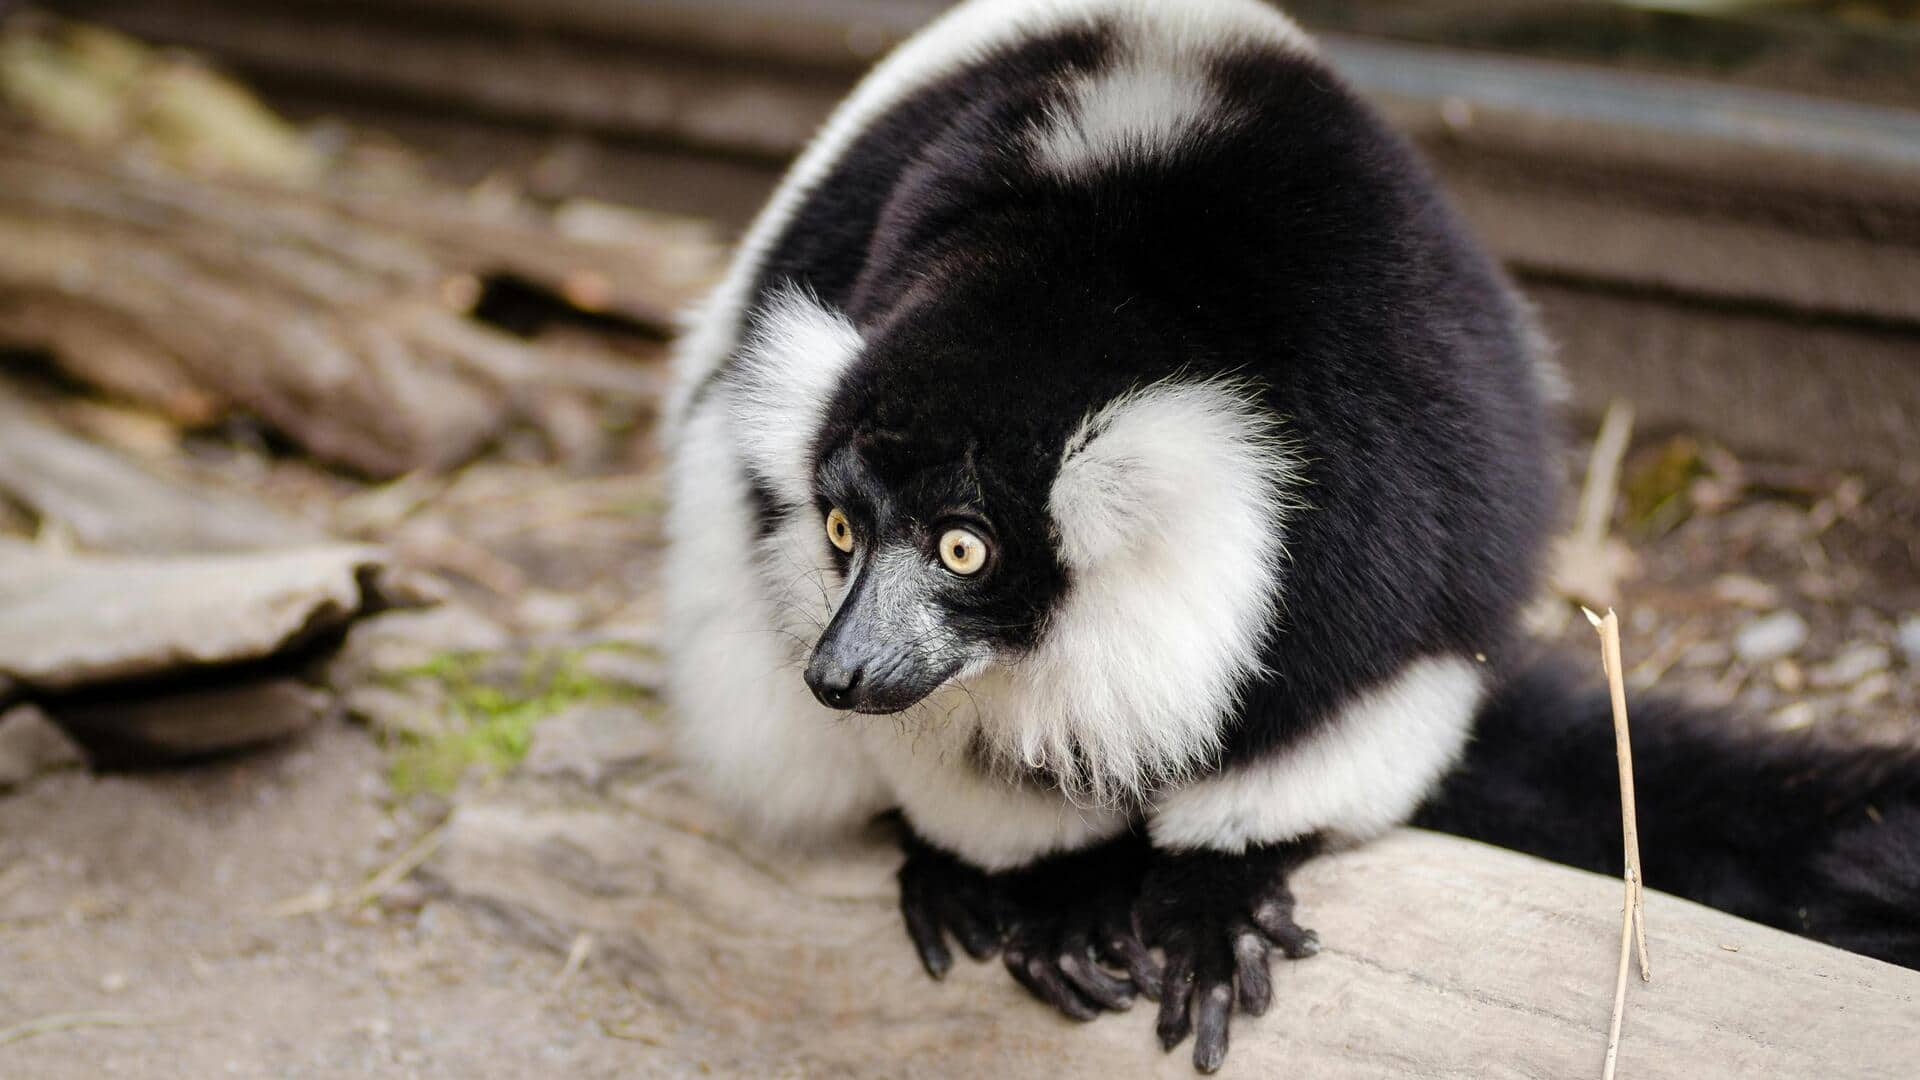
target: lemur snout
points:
(834, 685)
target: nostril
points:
(833, 684)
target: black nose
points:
(834, 685)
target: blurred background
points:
(331, 333)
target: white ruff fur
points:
(746, 721)
(796, 353)
(964, 35)
(985, 819)
(1170, 505)
(1363, 774)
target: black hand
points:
(939, 895)
(1217, 917)
(1060, 924)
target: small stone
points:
(586, 741)
(1746, 592)
(1870, 689)
(1854, 663)
(32, 745)
(404, 896)
(1794, 717)
(113, 982)
(1770, 637)
(1788, 676)
(1706, 654)
(1908, 635)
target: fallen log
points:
(340, 317)
(1442, 958)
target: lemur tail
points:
(1817, 839)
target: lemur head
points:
(955, 496)
(945, 565)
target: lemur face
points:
(932, 573)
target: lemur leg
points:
(1063, 926)
(1217, 917)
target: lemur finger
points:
(1076, 963)
(1275, 919)
(975, 934)
(1176, 989)
(1213, 964)
(1250, 971)
(1121, 946)
(1212, 1007)
(1032, 970)
(928, 939)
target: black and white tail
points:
(1782, 829)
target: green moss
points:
(1656, 487)
(490, 718)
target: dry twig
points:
(47, 1025)
(1633, 922)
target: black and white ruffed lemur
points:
(1109, 452)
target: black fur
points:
(1217, 918)
(1781, 829)
(1056, 923)
(1306, 249)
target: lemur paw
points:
(940, 895)
(1073, 943)
(1217, 918)
(1064, 926)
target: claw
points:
(928, 939)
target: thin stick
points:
(1620, 983)
(47, 1025)
(576, 958)
(1609, 628)
(1602, 483)
(409, 861)
(1633, 925)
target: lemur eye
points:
(962, 551)
(839, 530)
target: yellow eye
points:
(962, 551)
(839, 529)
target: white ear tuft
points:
(796, 351)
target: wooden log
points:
(338, 317)
(1442, 958)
